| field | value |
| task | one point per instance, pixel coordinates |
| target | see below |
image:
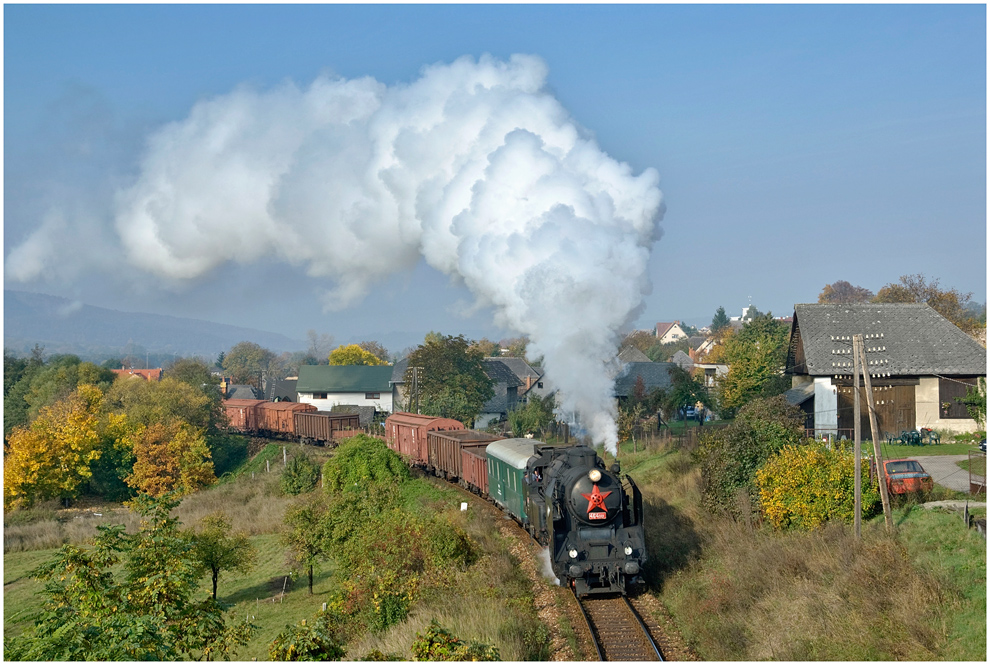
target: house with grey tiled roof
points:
(506, 386)
(683, 361)
(532, 380)
(654, 375)
(920, 364)
(631, 354)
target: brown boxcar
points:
(323, 426)
(242, 413)
(405, 433)
(474, 468)
(277, 417)
(444, 450)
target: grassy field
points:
(489, 601)
(736, 590)
(740, 591)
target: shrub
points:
(316, 640)
(300, 475)
(363, 460)
(729, 457)
(439, 644)
(805, 486)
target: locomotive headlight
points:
(595, 475)
(572, 554)
(628, 550)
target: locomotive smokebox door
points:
(595, 497)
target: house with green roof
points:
(326, 386)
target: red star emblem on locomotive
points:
(596, 499)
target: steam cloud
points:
(474, 166)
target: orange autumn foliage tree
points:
(50, 459)
(170, 457)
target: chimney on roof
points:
(529, 382)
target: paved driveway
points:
(945, 472)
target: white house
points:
(326, 386)
(670, 332)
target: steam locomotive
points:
(589, 516)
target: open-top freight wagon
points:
(290, 420)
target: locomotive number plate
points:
(597, 516)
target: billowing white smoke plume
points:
(474, 166)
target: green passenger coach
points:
(506, 470)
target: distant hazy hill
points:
(62, 326)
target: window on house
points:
(319, 395)
(948, 391)
(539, 384)
(372, 395)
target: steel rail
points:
(608, 638)
(591, 628)
(646, 631)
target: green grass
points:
(896, 451)
(501, 614)
(251, 594)
(20, 599)
(740, 591)
(939, 542)
(258, 595)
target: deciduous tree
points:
(305, 534)
(216, 549)
(92, 612)
(536, 416)
(756, 357)
(170, 457)
(376, 349)
(843, 293)
(487, 348)
(642, 340)
(950, 303)
(352, 354)
(247, 361)
(729, 457)
(452, 383)
(51, 458)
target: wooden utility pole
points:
(857, 444)
(414, 390)
(875, 429)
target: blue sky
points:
(796, 145)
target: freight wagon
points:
(242, 414)
(320, 426)
(445, 449)
(405, 433)
(278, 417)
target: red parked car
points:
(905, 476)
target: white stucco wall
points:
(383, 403)
(826, 407)
(927, 409)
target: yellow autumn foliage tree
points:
(50, 459)
(352, 354)
(168, 457)
(805, 486)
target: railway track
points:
(617, 630)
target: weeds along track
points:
(617, 630)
